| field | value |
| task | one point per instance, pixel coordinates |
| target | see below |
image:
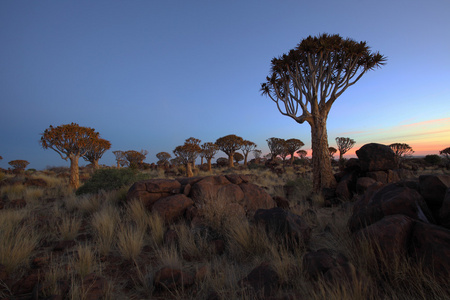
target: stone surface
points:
(317, 263)
(433, 189)
(263, 279)
(376, 157)
(363, 183)
(173, 207)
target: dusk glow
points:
(150, 74)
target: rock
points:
(255, 198)
(172, 207)
(149, 191)
(26, 284)
(263, 279)
(376, 157)
(342, 190)
(363, 183)
(171, 279)
(281, 202)
(317, 263)
(217, 246)
(202, 273)
(433, 189)
(391, 199)
(379, 176)
(430, 245)
(345, 275)
(231, 192)
(94, 286)
(284, 224)
(208, 188)
(444, 212)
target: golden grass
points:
(130, 240)
(104, 224)
(85, 262)
(12, 192)
(138, 214)
(68, 227)
(157, 229)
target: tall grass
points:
(130, 240)
(104, 223)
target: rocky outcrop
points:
(376, 157)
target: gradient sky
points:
(150, 74)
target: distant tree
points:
(135, 158)
(163, 158)
(176, 161)
(120, 158)
(257, 154)
(302, 153)
(307, 81)
(332, 152)
(222, 162)
(70, 141)
(229, 144)
(247, 147)
(187, 153)
(432, 159)
(209, 150)
(276, 146)
(238, 157)
(445, 153)
(293, 145)
(96, 150)
(197, 142)
(19, 165)
(344, 144)
(400, 151)
(284, 153)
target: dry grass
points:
(136, 212)
(130, 240)
(85, 262)
(12, 192)
(157, 229)
(68, 227)
(104, 223)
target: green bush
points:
(110, 179)
(433, 159)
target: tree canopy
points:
(246, 148)
(163, 158)
(293, 145)
(445, 153)
(229, 144)
(97, 149)
(344, 144)
(209, 150)
(19, 165)
(401, 150)
(187, 153)
(135, 158)
(276, 146)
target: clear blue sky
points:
(150, 74)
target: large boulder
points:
(173, 207)
(376, 157)
(433, 189)
(444, 213)
(150, 191)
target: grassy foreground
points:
(59, 239)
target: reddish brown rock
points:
(317, 263)
(379, 176)
(150, 191)
(376, 157)
(207, 188)
(63, 245)
(433, 189)
(263, 280)
(281, 202)
(231, 192)
(172, 207)
(3, 274)
(171, 279)
(363, 183)
(255, 198)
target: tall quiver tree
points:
(400, 150)
(276, 146)
(292, 145)
(229, 144)
(196, 142)
(246, 148)
(305, 83)
(19, 165)
(163, 158)
(187, 153)
(135, 158)
(209, 150)
(98, 148)
(71, 142)
(344, 144)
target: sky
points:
(150, 74)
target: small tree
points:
(229, 144)
(197, 142)
(247, 147)
(332, 152)
(163, 158)
(276, 146)
(400, 151)
(19, 165)
(344, 144)
(71, 142)
(120, 158)
(135, 158)
(209, 150)
(96, 151)
(306, 82)
(238, 157)
(187, 153)
(445, 153)
(293, 145)
(257, 154)
(302, 153)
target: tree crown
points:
(229, 143)
(19, 164)
(96, 150)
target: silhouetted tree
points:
(120, 158)
(229, 144)
(238, 157)
(401, 150)
(276, 146)
(247, 147)
(187, 153)
(445, 153)
(135, 158)
(19, 165)
(257, 154)
(344, 144)
(71, 142)
(209, 150)
(305, 83)
(302, 153)
(293, 145)
(163, 158)
(332, 151)
(96, 151)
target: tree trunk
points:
(189, 172)
(230, 160)
(74, 179)
(201, 163)
(95, 164)
(245, 159)
(292, 159)
(209, 164)
(322, 172)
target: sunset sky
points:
(150, 74)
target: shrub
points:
(433, 159)
(109, 179)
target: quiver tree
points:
(187, 153)
(302, 153)
(71, 142)
(445, 153)
(97, 149)
(19, 165)
(305, 83)
(120, 158)
(135, 158)
(332, 151)
(163, 158)
(344, 144)
(238, 157)
(229, 144)
(257, 154)
(276, 146)
(246, 148)
(401, 150)
(209, 150)
(193, 141)
(293, 145)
